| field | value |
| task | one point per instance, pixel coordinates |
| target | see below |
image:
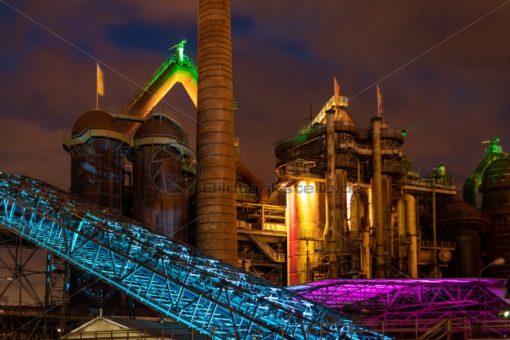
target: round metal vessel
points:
(160, 197)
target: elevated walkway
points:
(198, 291)
(421, 308)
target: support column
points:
(341, 219)
(332, 242)
(412, 232)
(378, 199)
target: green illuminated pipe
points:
(174, 70)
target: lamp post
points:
(496, 262)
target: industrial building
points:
(153, 230)
(351, 194)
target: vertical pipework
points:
(434, 226)
(401, 213)
(341, 217)
(215, 205)
(355, 216)
(378, 198)
(366, 263)
(333, 234)
(411, 231)
(354, 234)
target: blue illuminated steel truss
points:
(201, 292)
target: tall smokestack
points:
(215, 206)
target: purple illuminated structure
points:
(418, 308)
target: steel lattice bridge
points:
(198, 291)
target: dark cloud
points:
(29, 149)
(285, 56)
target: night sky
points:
(285, 56)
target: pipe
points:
(215, 203)
(341, 216)
(411, 231)
(162, 81)
(355, 216)
(386, 212)
(366, 263)
(401, 210)
(331, 184)
(378, 197)
(401, 230)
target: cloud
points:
(29, 149)
(451, 98)
(285, 55)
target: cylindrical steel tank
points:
(462, 223)
(496, 206)
(96, 160)
(305, 226)
(96, 149)
(160, 191)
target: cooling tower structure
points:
(215, 204)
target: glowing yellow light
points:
(303, 204)
(349, 196)
(370, 208)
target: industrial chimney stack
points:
(216, 211)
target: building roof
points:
(94, 119)
(459, 210)
(160, 125)
(121, 328)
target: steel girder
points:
(178, 281)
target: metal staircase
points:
(201, 292)
(267, 249)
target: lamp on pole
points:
(496, 262)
